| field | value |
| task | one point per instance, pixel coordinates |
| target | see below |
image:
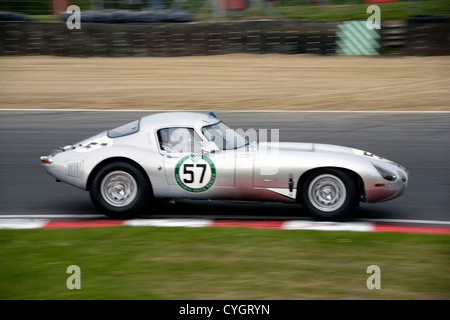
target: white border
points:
(226, 111)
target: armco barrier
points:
(205, 38)
(428, 35)
(168, 39)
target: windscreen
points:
(224, 137)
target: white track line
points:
(327, 226)
(407, 221)
(226, 111)
(51, 216)
(191, 223)
(204, 221)
(23, 223)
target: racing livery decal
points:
(103, 141)
(195, 173)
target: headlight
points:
(402, 176)
(388, 175)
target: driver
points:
(179, 141)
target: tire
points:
(120, 191)
(329, 194)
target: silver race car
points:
(187, 155)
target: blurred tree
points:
(26, 6)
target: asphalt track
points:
(418, 140)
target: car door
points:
(191, 173)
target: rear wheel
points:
(119, 190)
(329, 194)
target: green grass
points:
(350, 11)
(299, 10)
(221, 263)
(394, 10)
(341, 9)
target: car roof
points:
(177, 119)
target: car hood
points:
(91, 143)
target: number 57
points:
(187, 170)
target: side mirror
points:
(208, 147)
(206, 151)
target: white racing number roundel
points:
(195, 173)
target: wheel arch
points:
(355, 176)
(112, 160)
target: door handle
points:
(172, 156)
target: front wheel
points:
(119, 190)
(329, 194)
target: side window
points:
(179, 140)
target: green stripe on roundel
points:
(354, 38)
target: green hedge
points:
(43, 7)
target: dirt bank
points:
(238, 81)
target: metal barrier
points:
(210, 38)
(394, 35)
(428, 35)
(169, 39)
